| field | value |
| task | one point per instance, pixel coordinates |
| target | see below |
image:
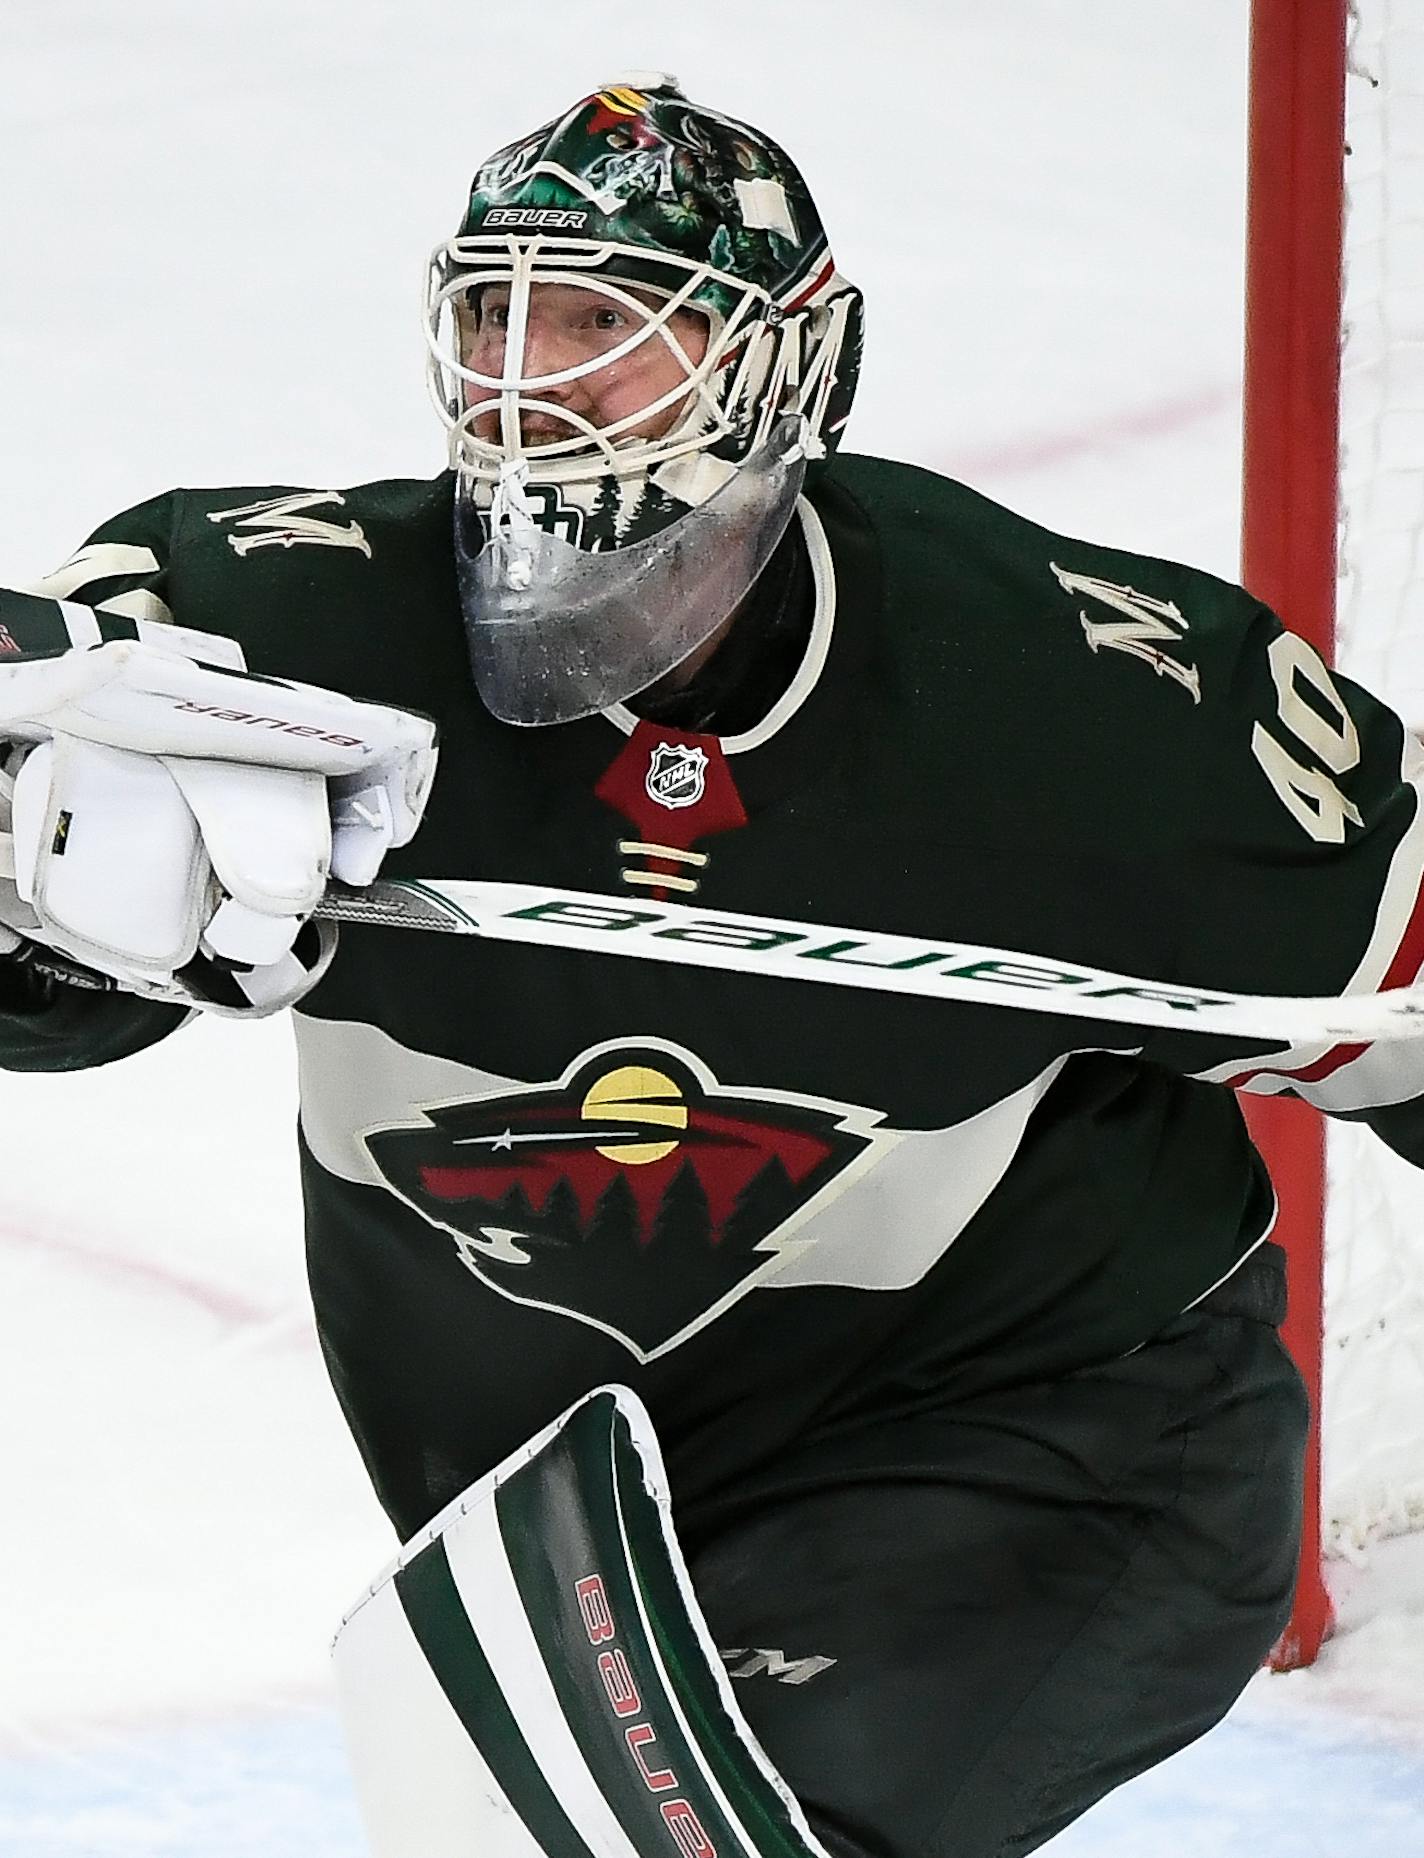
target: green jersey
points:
(784, 1211)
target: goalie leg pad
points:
(533, 1678)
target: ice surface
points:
(212, 231)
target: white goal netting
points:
(1373, 1381)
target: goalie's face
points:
(600, 541)
(586, 361)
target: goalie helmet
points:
(599, 542)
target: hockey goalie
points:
(791, 1401)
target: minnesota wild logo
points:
(636, 1195)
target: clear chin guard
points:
(557, 633)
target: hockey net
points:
(1372, 1392)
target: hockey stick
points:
(935, 970)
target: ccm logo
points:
(534, 216)
(621, 1692)
(270, 722)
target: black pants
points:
(1028, 1598)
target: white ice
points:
(212, 225)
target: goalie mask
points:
(638, 340)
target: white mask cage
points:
(754, 371)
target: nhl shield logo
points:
(677, 776)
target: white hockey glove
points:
(172, 825)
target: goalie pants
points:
(1028, 1598)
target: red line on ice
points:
(226, 1305)
(1055, 448)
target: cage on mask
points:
(690, 361)
(588, 361)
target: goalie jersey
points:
(778, 1211)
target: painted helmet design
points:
(693, 238)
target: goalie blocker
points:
(169, 821)
(951, 1629)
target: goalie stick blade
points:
(940, 969)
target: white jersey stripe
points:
(881, 1224)
(81, 624)
(138, 603)
(100, 561)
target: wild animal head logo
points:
(635, 1195)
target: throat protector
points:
(558, 632)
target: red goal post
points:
(1291, 476)
(1334, 463)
